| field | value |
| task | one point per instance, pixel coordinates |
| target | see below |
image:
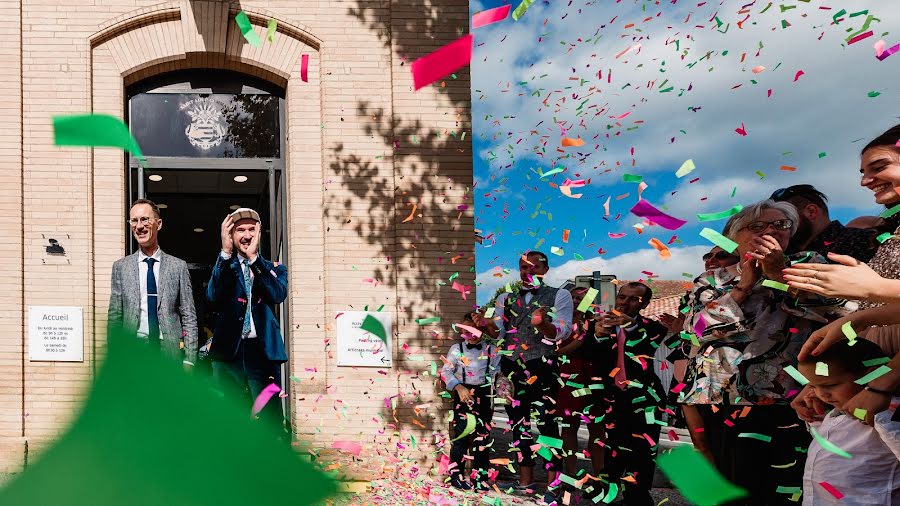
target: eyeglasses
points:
(719, 255)
(759, 226)
(143, 220)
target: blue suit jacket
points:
(228, 297)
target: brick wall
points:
(362, 149)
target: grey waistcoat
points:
(519, 329)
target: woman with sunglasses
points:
(746, 329)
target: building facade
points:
(365, 188)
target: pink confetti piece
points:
(678, 388)
(472, 330)
(831, 490)
(618, 235)
(879, 47)
(304, 68)
(887, 52)
(758, 69)
(742, 131)
(673, 436)
(489, 16)
(351, 447)
(606, 206)
(860, 37)
(644, 209)
(442, 62)
(797, 75)
(263, 398)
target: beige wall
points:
(362, 147)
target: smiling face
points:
(531, 267)
(631, 300)
(836, 389)
(880, 168)
(145, 225)
(243, 233)
(745, 235)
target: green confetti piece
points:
(720, 215)
(876, 361)
(246, 28)
(849, 333)
(588, 299)
(545, 453)
(873, 94)
(733, 191)
(95, 130)
(520, 10)
(718, 239)
(469, 428)
(611, 494)
(295, 379)
(877, 373)
(794, 373)
(761, 174)
(883, 237)
(887, 213)
(632, 178)
(775, 284)
(753, 435)
(372, 325)
(578, 257)
(270, 30)
(428, 321)
(552, 442)
(828, 445)
(821, 369)
(823, 154)
(648, 416)
(697, 480)
(122, 444)
(860, 413)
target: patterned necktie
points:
(248, 288)
(620, 358)
(152, 314)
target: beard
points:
(801, 237)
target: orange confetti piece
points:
(612, 374)
(566, 235)
(788, 168)
(500, 462)
(411, 213)
(568, 142)
(664, 252)
(531, 380)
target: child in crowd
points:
(872, 475)
(468, 373)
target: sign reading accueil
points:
(359, 347)
(55, 333)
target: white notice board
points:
(357, 347)
(55, 333)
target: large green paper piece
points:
(877, 373)
(144, 420)
(270, 30)
(94, 130)
(552, 442)
(588, 299)
(697, 480)
(520, 10)
(246, 28)
(718, 239)
(720, 215)
(371, 324)
(828, 445)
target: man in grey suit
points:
(151, 291)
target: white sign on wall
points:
(358, 347)
(55, 333)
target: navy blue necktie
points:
(152, 315)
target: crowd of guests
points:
(786, 358)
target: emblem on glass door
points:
(207, 128)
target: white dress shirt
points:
(245, 266)
(144, 327)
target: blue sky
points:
(556, 70)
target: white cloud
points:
(624, 266)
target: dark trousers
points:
(628, 452)
(247, 375)
(542, 390)
(748, 462)
(478, 441)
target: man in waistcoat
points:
(529, 322)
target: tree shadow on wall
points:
(433, 172)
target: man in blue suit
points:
(247, 348)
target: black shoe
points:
(460, 484)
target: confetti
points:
(697, 480)
(718, 239)
(664, 252)
(304, 68)
(644, 209)
(877, 373)
(95, 130)
(520, 10)
(720, 215)
(372, 325)
(686, 168)
(794, 373)
(247, 30)
(442, 62)
(271, 29)
(489, 16)
(828, 445)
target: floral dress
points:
(741, 350)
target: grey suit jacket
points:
(175, 303)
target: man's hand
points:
(872, 402)
(809, 407)
(672, 323)
(538, 316)
(465, 395)
(227, 241)
(253, 248)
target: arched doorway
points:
(213, 141)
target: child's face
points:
(836, 389)
(468, 336)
